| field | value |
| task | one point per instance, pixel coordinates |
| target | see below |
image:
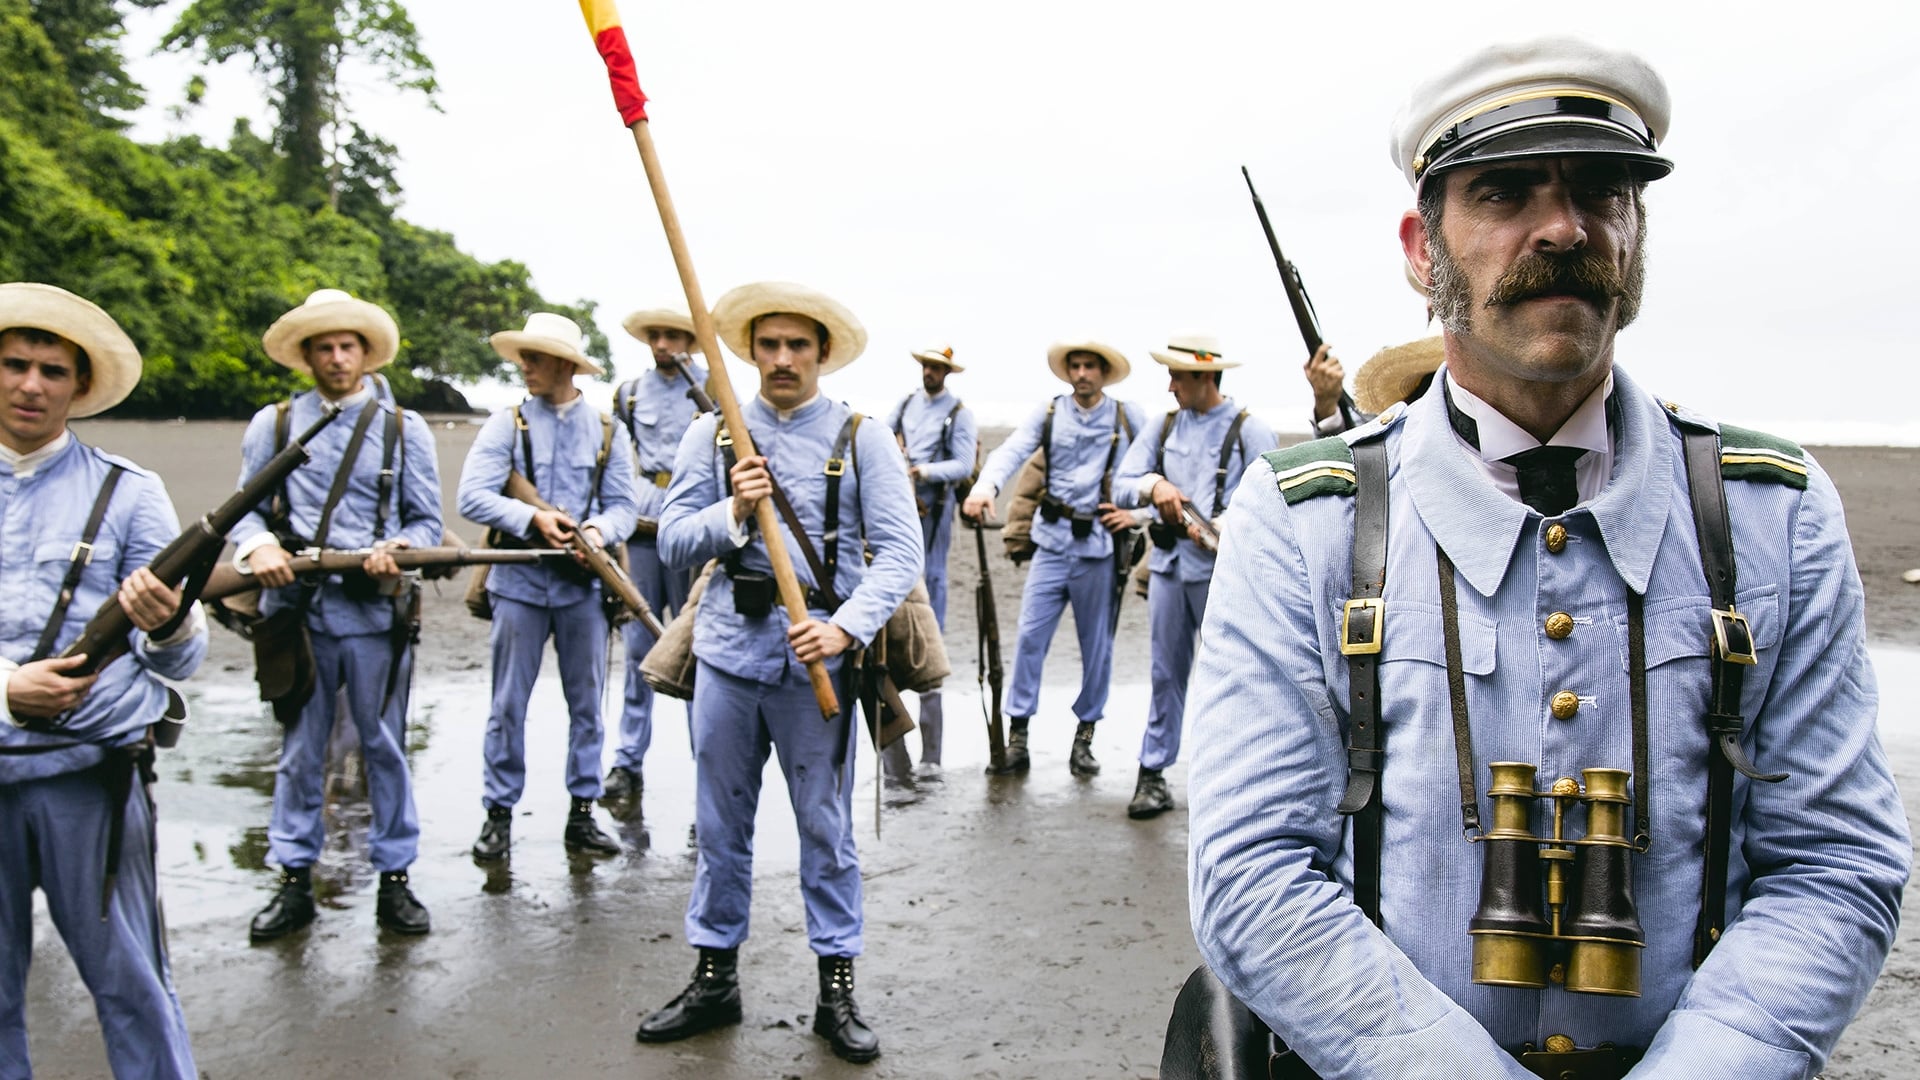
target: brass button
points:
(1559, 626)
(1565, 704)
(1556, 538)
(1559, 1044)
(1565, 786)
(1557, 975)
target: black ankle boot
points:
(496, 836)
(711, 1000)
(397, 909)
(1017, 759)
(837, 1019)
(621, 785)
(290, 909)
(583, 835)
(1150, 795)
(1081, 762)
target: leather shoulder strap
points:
(1362, 630)
(77, 565)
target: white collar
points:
(348, 402)
(25, 465)
(1075, 402)
(1501, 438)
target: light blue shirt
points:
(42, 517)
(1818, 861)
(922, 423)
(660, 411)
(875, 500)
(566, 443)
(1192, 462)
(1082, 441)
(412, 508)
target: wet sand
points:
(1015, 928)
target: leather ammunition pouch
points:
(283, 661)
(1165, 536)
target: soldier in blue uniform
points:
(1189, 460)
(939, 436)
(371, 482)
(1085, 435)
(845, 483)
(76, 819)
(1696, 666)
(579, 465)
(655, 408)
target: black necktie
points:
(1546, 477)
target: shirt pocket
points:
(51, 560)
(1680, 628)
(1415, 631)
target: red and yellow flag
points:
(603, 21)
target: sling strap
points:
(599, 461)
(77, 565)
(1120, 424)
(345, 473)
(1362, 629)
(1227, 446)
(825, 568)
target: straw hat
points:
(330, 311)
(1193, 352)
(1392, 373)
(555, 335)
(110, 352)
(734, 314)
(939, 354)
(1116, 361)
(637, 324)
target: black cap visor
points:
(1554, 138)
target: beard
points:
(1583, 273)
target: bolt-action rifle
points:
(992, 675)
(228, 580)
(1297, 298)
(592, 554)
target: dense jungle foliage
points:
(196, 249)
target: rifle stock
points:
(227, 581)
(190, 557)
(1303, 314)
(595, 556)
(992, 673)
(1209, 536)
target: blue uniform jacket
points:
(1193, 459)
(1818, 861)
(875, 499)
(412, 512)
(659, 412)
(1081, 442)
(921, 421)
(42, 517)
(564, 450)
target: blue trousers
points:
(1055, 581)
(937, 530)
(53, 836)
(664, 590)
(359, 664)
(1174, 611)
(519, 639)
(736, 722)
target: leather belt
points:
(661, 477)
(1561, 1060)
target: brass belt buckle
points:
(1362, 627)
(1733, 636)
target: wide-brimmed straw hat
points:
(938, 354)
(1193, 352)
(546, 332)
(1117, 365)
(734, 315)
(637, 323)
(1392, 373)
(114, 362)
(330, 311)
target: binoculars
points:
(1543, 897)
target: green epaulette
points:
(1320, 467)
(1746, 454)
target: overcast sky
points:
(999, 175)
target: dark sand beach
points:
(1019, 928)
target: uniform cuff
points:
(194, 623)
(7, 668)
(1145, 490)
(248, 546)
(736, 529)
(982, 488)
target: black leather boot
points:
(290, 909)
(622, 785)
(1150, 795)
(583, 835)
(397, 909)
(496, 836)
(837, 1019)
(1017, 759)
(711, 1000)
(1081, 760)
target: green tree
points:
(86, 35)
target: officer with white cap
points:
(1657, 835)
(568, 449)
(655, 408)
(1192, 456)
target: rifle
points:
(1297, 298)
(992, 676)
(1126, 548)
(191, 556)
(227, 580)
(700, 399)
(1209, 536)
(595, 556)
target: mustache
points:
(1583, 274)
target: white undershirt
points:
(1501, 438)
